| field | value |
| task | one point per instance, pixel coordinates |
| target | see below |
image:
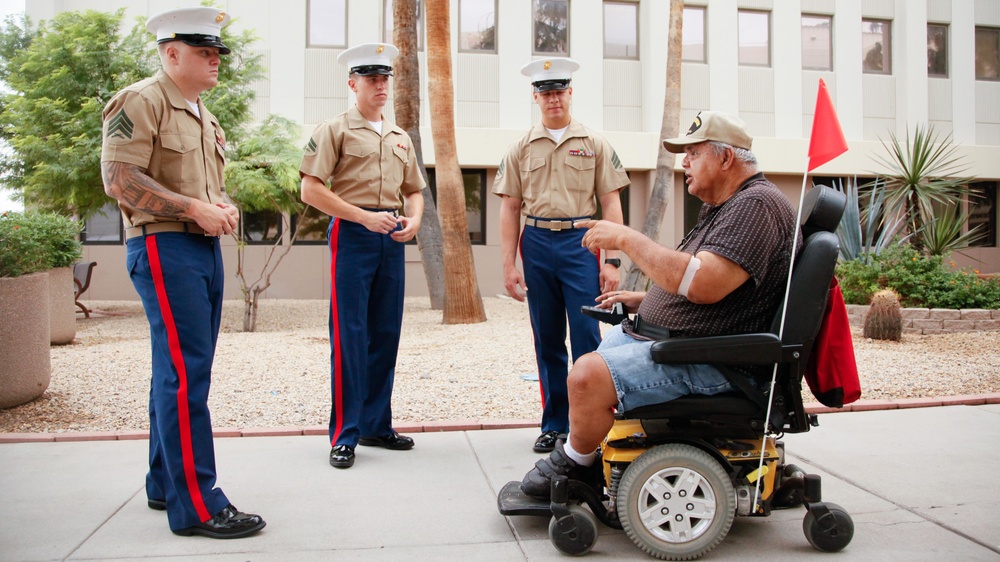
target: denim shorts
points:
(639, 381)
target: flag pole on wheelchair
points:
(825, 143)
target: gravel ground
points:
(279, 375)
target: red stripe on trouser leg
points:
(177, 357)
(338, 368)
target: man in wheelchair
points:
(727, 276)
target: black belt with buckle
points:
(157, 227)
(554, 225)
(651, 331)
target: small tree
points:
(62, 75)
(263, 175)
(925, 176)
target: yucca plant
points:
(860, 224)
(923, 172)
(943, 234)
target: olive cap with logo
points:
(369, 59)
(713, 126)
(550, 74)
(198, 27)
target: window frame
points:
(886, 47)
(996, 32)
(988, 239)
(604, 28)
(483, 194)
(115, 215)
(704, 35)
(293, 223)
(739, 40)
(947, 62)
(831, 37)
(496, 32)
(534, 34)
(278, 236)
(308, 33)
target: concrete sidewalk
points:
(920, 484)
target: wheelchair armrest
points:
(613, 315)
(738, 349)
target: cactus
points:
(884, 320)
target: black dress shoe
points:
(230, 523)
(342, 456)
(158, 505)
(393, 441)
(546, 442)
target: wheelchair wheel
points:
(676, 502)
(831, 531)
(575, 534)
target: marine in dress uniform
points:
(371, 168)
(553, 176)
(162, 158)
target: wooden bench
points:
(81, 281)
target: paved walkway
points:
(921, 484)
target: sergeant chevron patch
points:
(614, 160)
(120, 126)
(311, 146)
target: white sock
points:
(579, 458)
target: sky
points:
(8, 7)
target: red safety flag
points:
(827, 140)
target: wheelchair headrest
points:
(822, 209)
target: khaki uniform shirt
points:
(560, 180)
(149, 124)
(364, 169)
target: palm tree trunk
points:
(406, 104)
(462, 304)
(635, 279)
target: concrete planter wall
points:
(25, 363)
(62, 307)
(936, 320)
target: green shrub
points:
(921, 281)
(35, 242)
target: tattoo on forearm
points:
(129, 185)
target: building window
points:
(876, 44)
(312, 225)
(327, 25)
(817, 42)
(475, 198)
(477, 26)
(754, 38)
(937, 50)
(551, 27)
(105, 227)
(693, 42)
(983, 212)
(987, 53)
(261, 227)
(387, 20)
(621, 30)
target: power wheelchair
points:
(676, 474)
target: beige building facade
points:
(890, 65)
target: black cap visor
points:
(546, 85)
(199, 40)
(371, 69)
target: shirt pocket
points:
(580, 173)
(533, 178)
(361, 160)
(180, 159)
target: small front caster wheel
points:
(574, 534)
(829, 529)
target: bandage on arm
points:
(693, 266)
